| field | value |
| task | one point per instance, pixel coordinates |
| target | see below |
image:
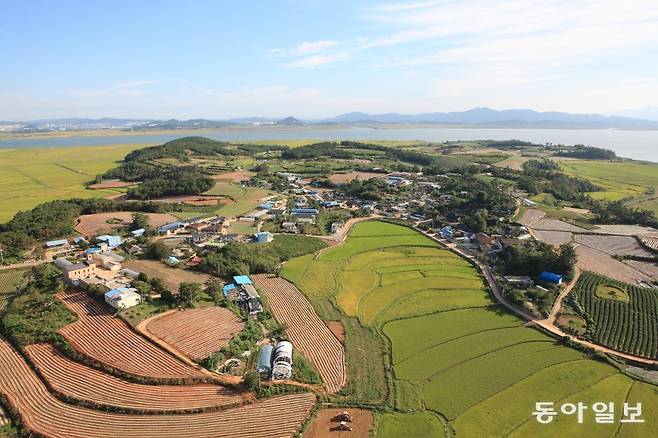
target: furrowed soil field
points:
(613, 245)
(343, 178)
(108, 340)
(631, 327)
(197, 333)
(97, 388)
(451, 352)
(35, 175)
(590, 259)
(306, 329)
(42, 413)
(172, 277)
(94, 224)
(324, 425)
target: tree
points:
(251, 381)
(188, 294)
(158, 250)
(140, 220)
(143, 288)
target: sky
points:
(315, 58)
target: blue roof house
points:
(263, 237)
(137, 233)
(242, 280)
(56, 243)
(112, 241)
(171, 260)
(228, 288)
(550, 277)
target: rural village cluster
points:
(333, 289)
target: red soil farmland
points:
(323, 425)
(83, 383)
(306, 330)
(108, 340)
(42, 413)
(197, 333)
(344, 178)
(93, 224)
(234, 177)
(172, 277)
(531, 216)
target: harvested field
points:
(197, 333)
(306, 330)
(112, 185)
(650, 241)
(344, 178)
(650, 269)
(556, 225)
(43, 414)
(625, 230)
(613, 245)
(93, 224)
(87, 384)
(337, 329)
(324, 424)
(200, 200)
(597, 261)
(173, 277)
(581, 211)
(531, 216)
(234, 177)
(108, 340)
(553, 237)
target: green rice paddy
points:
(454, 355)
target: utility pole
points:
(2, 257)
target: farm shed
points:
(550, 277)
(56, 243)
(263, 237)
(137, 233)
(242, 279)
(228, 289)
(60, 262)
(171, 260)
(265, 360)
(112, 241)
(171, 227)
(522, 282)
(282, 362)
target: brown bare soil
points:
(344, 178)
(613, 245)
(553, 237)
(323, 424)
(626, 230)
(93, 224)
(307, 331)
(590, 259)
(41, 413)
(197, 333)
(192, 200)
(234, 177)
(650, 269)
(108, 340)
(87, 384)
(111, 185)
(531, 216)
(172, 277)
(581, 211)
(556, 225)
(337, 329)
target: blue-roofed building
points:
(295, 211)
(93, 250)
(78, 240)
(329, 204)
(263, 237)
(266, 206)
(137, 233)
(228, 288)
(57, 243)
(242, 280)
(171, 227)
(446, 233)
(171, 260)
(112, 241)
(550, 277)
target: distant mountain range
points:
(477, 117)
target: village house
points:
(122, 298)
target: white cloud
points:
(305, 48)
(318, 60)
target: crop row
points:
(629, 327)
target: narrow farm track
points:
(197, 333)
(306, 330)
(87, 384)
(108, 340)
(43, 414)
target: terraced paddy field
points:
(458, 361)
